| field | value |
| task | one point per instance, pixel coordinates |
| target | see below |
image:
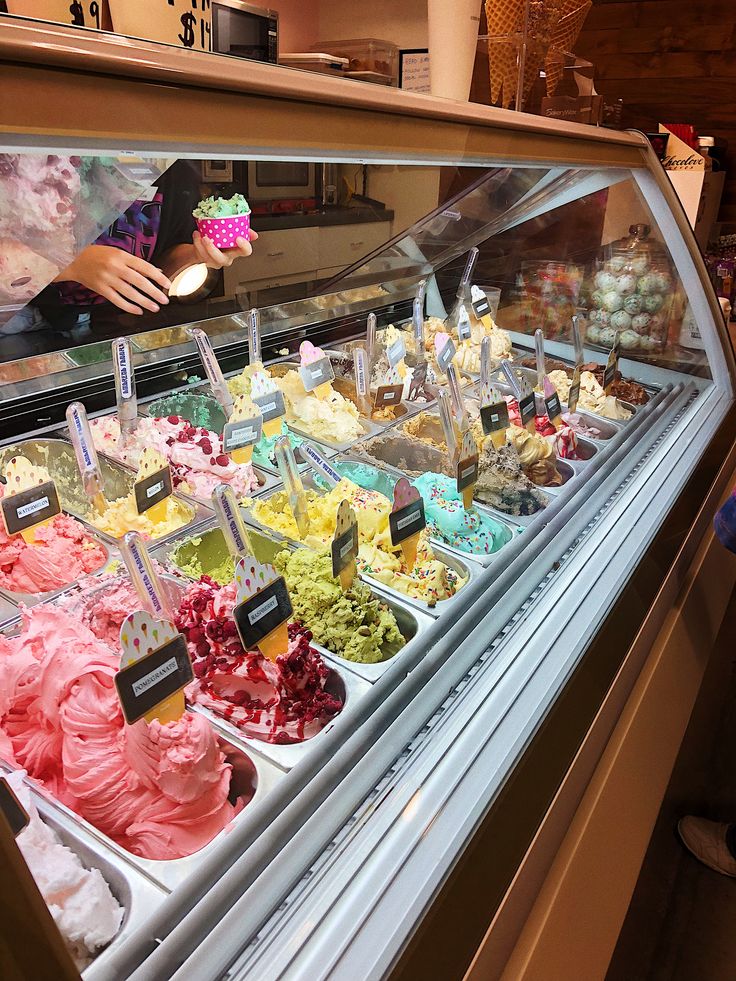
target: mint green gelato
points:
(264, 452)
(222, 207)
(199, 410)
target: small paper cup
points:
(224, 231)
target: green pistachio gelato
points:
(353, 624)
(206, 554)
(222, 207)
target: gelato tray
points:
(132, 890)
(205, 553)
(439, 575)
(57, 456)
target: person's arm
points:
(132, 284)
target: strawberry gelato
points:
(63, 551)
(159, 790)
(198, 463)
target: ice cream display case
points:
(410, 765)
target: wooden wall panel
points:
(670, 61)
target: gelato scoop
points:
(333, 419)
(536, 455)
(159, 790)
(502, 483)
(83, 907)
(213, 207)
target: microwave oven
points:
(244, 30)
(272, 180)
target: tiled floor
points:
(681, 924)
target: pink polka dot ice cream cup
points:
(224, 231)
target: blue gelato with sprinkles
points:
(471, 531)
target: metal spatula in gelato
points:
(125, 392)
(552, 407)
(467, 468)
(523, 393)
(86, 454)
(292, 482)
(212, 369)
(362, 379)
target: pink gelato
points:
(280, 702)
(198, 463)
(160, 791)
(63, 551)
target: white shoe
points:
(707, 841)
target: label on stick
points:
(30, 507)
(467, 472)
(152, 490)
(396, 352)
(527, 408)
(388, 395)
(494, 417)
(157, 676)
(317, 373)
(407, 521)
(272, 405)
(573, 395)
(263, 613)
(553, 406)
(244, 432)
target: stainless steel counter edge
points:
(212, 890)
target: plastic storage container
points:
(323, 64)
(368, 57)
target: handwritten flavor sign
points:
(184, 23)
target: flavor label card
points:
(153, 489)
(153, 679)
(446, 354)
(30, 507)
(317, 373)
(407, 517)
(418, 381)
(271, 405)
(467, 472)
(463, 325)
(396, 352)
(494, 417)
(11, 807)
(552, 404)
(244, 432)
(345, 544)
(573, 395)
(527, 408)
(263, 613)
(481, 307)
(388, 395)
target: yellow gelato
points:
(240, 384)
(122, 515)
(429, 580)
(333, 419)
(592, 396)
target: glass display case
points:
(445, 713)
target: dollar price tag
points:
(463, 324)
(15, 813)
(154, 485)
(30, 498)
(417, 382)
(155, 668)
(407, 520)
(263, 608)
(396, 352)
(445, 353)
(345, 545)
(573, 395)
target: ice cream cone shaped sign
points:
(263, 607)
(388, 394)
(30, 499)
(552, 403)
(481, 307)
(467, 468)
(345, 545)
(267, 396)
(407, 520)
(316, 371)
(153, 486)
(494, 414)
(243, 430)
(155, 668)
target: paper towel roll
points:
(453, 39)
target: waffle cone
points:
(505, 19)
(543, 18)
(564, 36)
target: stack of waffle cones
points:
(548, 26)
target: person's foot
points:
(707, 841)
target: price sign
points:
(244, 432)
(153, 679)
(407, 520)
(30, 507)
(467, 472)
(153, 489)
(494, 417)
(317, 373)
(446, 354)
(481, 307)
(271, 405)
(15, 813)
(184, 23)
(573, 395)
(388, 395)
(396, 352)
